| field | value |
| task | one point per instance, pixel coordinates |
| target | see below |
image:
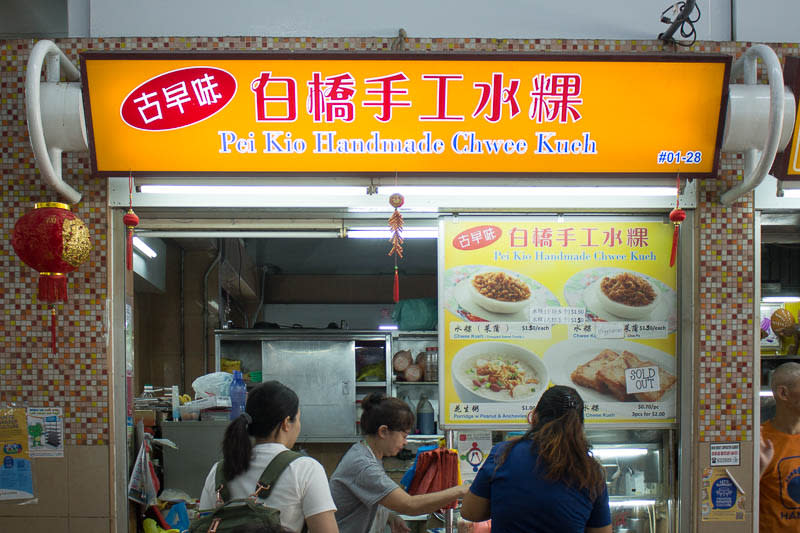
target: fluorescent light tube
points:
(143, 248)
(526, 191)
(269, 234)
(767, 393)
(255, 190)
(381, 233)
(631, 503)
(606, 453)
(391, 327)
(780, 299)
(424, 191)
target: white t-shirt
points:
(301, 490)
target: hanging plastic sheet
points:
(144, 485)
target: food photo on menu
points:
(612, 294)
(481, 293)
(493, 371)
(597, 369)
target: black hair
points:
(560, 442)
(380, 410)
(268, 405)
(556, 402)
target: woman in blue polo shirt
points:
(545, 481)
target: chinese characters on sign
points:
(553, 98)
(178, 99)
(438, 114)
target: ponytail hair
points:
(560, 442)
(380, 410)
(268, 405)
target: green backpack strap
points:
(268, 478)
(273, 471)
(221, 489)
(271, 474)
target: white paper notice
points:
(642, 379)
(610, 330)
(557, 315)
(45, 432)
(473, 448)
(726, 454)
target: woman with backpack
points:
(301, 493)
(545, 481)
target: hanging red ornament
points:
(131, 220)
(676, 216)
(396, 200)
(53, 241)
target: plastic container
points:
(238, 395)
(189, 412)
(431, 363)
(425, 424)
(176, 414)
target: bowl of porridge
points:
(494, 371)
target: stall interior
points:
(234, 304)
(780, 300)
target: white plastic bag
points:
(216, 384)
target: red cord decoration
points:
(131, 220)
(396, 200)
(53, 320)
(676, 216)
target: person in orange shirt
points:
(779, 455)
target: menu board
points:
(525, 303)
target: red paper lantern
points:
(676, 216)
(131, 220)
(53, 241)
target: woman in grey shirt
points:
(359, 484)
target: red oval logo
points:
(178, 98)
(477, 237)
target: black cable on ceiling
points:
(683, 21)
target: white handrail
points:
(755, 173)
(48, 160)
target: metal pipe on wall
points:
(182, 326)
(263, 282)
(214, 263)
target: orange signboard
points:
(787, 163)
(238, 113)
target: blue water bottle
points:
(238, 395)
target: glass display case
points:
(640, 467)
(640, 471)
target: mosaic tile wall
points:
(726, 290)
(76, 378)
